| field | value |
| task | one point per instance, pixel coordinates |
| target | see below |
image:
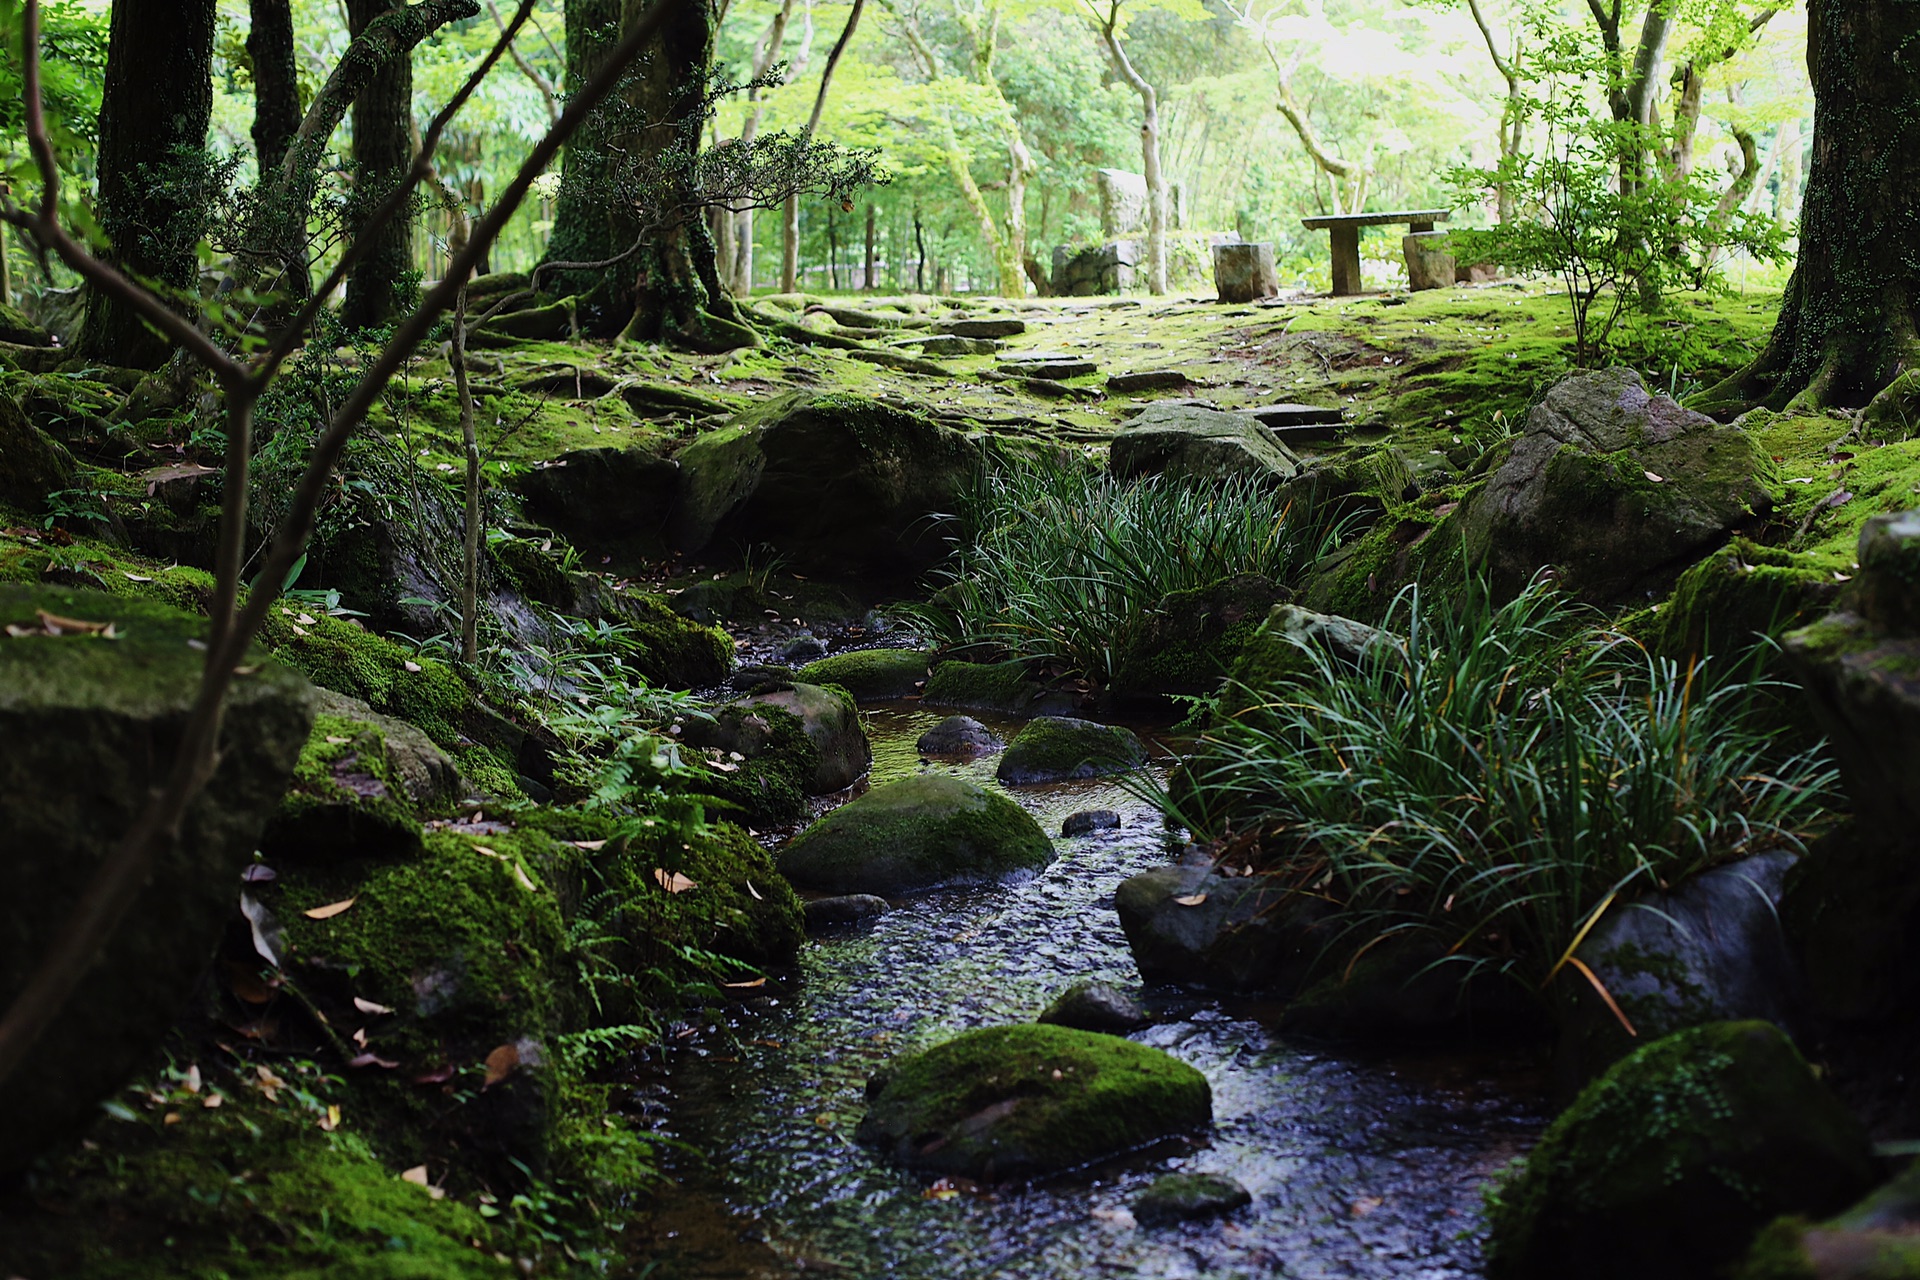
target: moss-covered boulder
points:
(1291, 642)
(1193, 638)
(1861, 670)
(1014, 1102)
(1736, 595)
(871, 673)
(804, 738)
(603, 498)
(959, 738)
(1184, 1197)
(344, 800)
(1186, 442)
(1059, 749)
(32, 465)
(91, 722)
(1877, 1239)
(1668, 1165)
(839, 483)
(1617, 488)
(1003, 687)
(931, 831)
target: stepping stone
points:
(951, 345)
(984, 328)
(1185, 1196)
(1297, 415)
(1151, 380)
(1185, 402)
(852, 908)
(1088, 821)
(1054, 370)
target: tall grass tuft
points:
(1067, 566)
(1491, 779)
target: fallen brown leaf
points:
(371, 1060)
(368, 1006)
(1191, 899)
(500, 1064)
(329, 911)
(672, 881)
(741, 986)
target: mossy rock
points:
(1617, 488)
(1851, 908)
(931, 831)
(91, 725)
(1738, 595)
(1288, 646)
(1015, 1102)
(668, 649)
(871, 673)
(1192, 638)
(1183, 1197)
(1188, 443)
(1864, 687)
(1003, 687)
(344, 800)
(1877, 1239)
(757, 736)
(1061, 749)
(32, 465)
(839, 483)
(1668, 1165)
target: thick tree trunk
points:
(382, 154)
(677, 297)
(276, 86)
(153, 201)
(589, 224)
(1849, 328)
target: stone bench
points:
(1344, 230)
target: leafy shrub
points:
(1067, 566)
(1490, 783)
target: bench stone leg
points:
(1346, 259)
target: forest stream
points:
(1359, 1164)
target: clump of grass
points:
(1489, 781)
(1068, 566)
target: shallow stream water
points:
(1360, 1165)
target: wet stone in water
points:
(851, 908)
(1088, 821)
(1181, 1197)
(1096, 1006)
(961, 736)
(803, 649)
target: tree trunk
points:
(153, 201)
(677, 296)
(1849, 328)
(588, 224)
(867, 280)
(738, 268)
(919, 253)
(382, 153)
(790, 226)
(276, 86)
(1149, 159)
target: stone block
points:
(1244, 272)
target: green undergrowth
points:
(1071, 568)
(1486, 778)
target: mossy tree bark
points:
(277, 114)
(382, 154)
(154, 110)
(589, 225)
(677, 295)
(1848, 335)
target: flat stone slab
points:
(1148, 380)
(1054, 369)
(948, 344)
(1297, 415)
(1007, 328)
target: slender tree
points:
(790, 226)
(1109, 21)
(382, 154)
(588, 225)
(1849, 328)
(153, 201)
(738, 270)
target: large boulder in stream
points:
(871, 673)
(1667, 1166)
(931, 831)
(1061, 749)
(775, 747)
(1195, 926)
(90, 722)
(1616, 488)
(840, 484)
(1710, 951)
(1006, 1103)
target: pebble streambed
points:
(1359, 1165)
